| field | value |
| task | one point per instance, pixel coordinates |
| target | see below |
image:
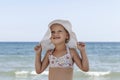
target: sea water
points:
(17, 62)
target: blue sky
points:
(92, 20)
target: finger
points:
(81, 43)
(78, 43)
(36, 47)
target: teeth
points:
(56, 38)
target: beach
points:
(17, 62)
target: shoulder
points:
(73, 51)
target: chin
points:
(56, 42)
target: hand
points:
(81, 46)
(38, 49)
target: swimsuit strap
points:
(68, 50)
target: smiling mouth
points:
(56, 37)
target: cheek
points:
(67, 36)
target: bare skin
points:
(60, 73)
(58, 37)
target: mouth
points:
(56, 37)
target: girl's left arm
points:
(81, 62)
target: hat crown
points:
(65, 23)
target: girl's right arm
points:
(40, 66)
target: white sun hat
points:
(46, 42)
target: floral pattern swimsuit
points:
(64, 61)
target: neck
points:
(60, 47)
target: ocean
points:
(17, 62)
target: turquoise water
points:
(17, 62)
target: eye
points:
(60, 31)
(52, 32)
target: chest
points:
(59, 54)
(63, 61)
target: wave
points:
(97, 73)
(91, 73)
(109, 74)
(77, 74)
(26, 73)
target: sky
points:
(92, 20)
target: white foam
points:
(98, 73)
(25, 73)
(21, 72)
(45, 73)
(33, 73)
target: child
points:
(61, 44)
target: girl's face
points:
(58, 34)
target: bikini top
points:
(64, 61)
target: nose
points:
(56, 33)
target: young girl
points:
(61, 44)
